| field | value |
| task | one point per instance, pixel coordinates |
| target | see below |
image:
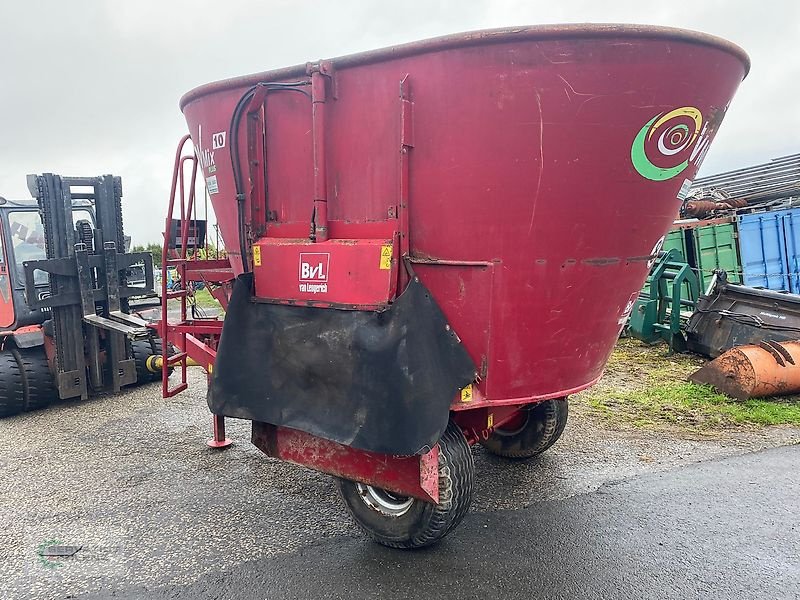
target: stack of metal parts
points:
(762, 185)
(709, 201)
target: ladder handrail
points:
(191, 337)
(177, 191)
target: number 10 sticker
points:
(218, 140)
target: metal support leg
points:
(218, 439)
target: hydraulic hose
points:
(238, 175)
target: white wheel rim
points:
(384, 502)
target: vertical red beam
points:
(406, 143)
(318, 97)
(256, 161)
(255, 208)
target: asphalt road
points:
(723, 529)
(602, 514)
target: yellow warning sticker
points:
(490, 421)
(210, 368)
(257, 256)
(466, 393)
(386, 257)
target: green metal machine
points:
(671, 288)
(715, 246)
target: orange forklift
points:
(65, 325)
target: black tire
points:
(142, 350)
(12, 395)
(414, 523)
(37, 380)
(544, 424)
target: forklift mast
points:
(88, 299)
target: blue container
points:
(769, 246)
(791, 227)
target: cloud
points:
(91, 87)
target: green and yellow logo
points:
(668, 143)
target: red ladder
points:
(195, 339)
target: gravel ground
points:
(129, 479)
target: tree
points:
(152, 248)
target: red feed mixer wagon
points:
(435, 244)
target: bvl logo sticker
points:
(314, 272)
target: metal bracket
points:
(326, 68)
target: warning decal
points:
(684, 191)
(386, 257)
(466, 393)
(257, 256)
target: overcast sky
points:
(91, 87)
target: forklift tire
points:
(12, 397)
(404, 522)
(543, 424)
(37, 380)
(142, 350)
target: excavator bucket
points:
(754, 371)
(731, 315)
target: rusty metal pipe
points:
(701, 208)
(754, 371)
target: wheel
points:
(12, 396)
(37, 379)
(538, 429)
(404, 522)
(142, 350)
